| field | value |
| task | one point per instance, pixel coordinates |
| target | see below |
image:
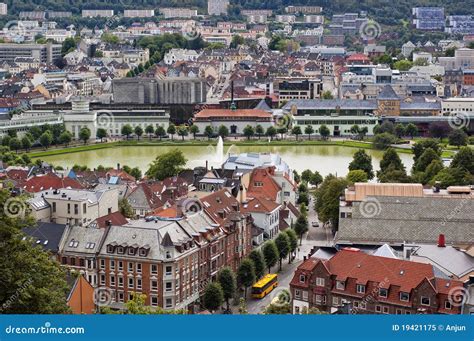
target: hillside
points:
(386, 11)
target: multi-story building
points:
(176, 12)
(457, 105)
(45, 53)
(3, 8)
(139, 13)
(428, 18)
(58, 14)
(299, 89)
(33, 15)
(73, 206)
(178, 55)
(354, 282)
(217, 7)
(91, 13)
(304, 9)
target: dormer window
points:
(404, 296)
(360, 289)
(302, 278)
(143, 252)
(131, 251)
(168, 254)
(340, 285)
(110, 249)
(120, 250)
(383, 292)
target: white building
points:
(217, 7)
(455, 105)
(91, 13)
(139, 13)
(178, 55)
(3, 8)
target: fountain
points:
(219, 155)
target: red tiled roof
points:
(259, 204)
(116, 218)
(262, 184)
(49, 181)
(219, 205)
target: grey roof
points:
(83, 240)
(401, 220)
(47, 235)
(262, 105)
(448, 259)
(329, 104)
(387, 93)
(385, 251)
(420, 106)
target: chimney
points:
(441, 241)
(207, 165)
(118, 166)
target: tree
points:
(149, 130)
(420, 146)
(327, 199)
(327, 95)
(324, 131)
(65, 138)
(296, 131)
(26, 143)
(125, 208)
(293, 238)
(309, 130)
(270, 253)
(227, 280)
(101, 134)
(194, 129)
(126, 130)
(362, 161)
(160, 132)
(46, 139)
(301, 227)
(439, 130)
(282, 242)
(138, 131)
(282, 131)
(209, 132)
(243, 306)
(249, 132)
(425, 159)
(271, 132)
(69, 45)
(390, 160)
(223, 131)
(355, 129)
(246, 274)
(259, 131)
(213, 297)
(31, 282)
(431, 171)
(363, 132)
(259, 262)
(171, 130)
(306, 175)
(458, 138)
(85, 134)
(400, 130)
(183, 131)
(403, 65)
(452, 177)
(384, 140)
(464, 159)
(36, 132)
(167, 165)
(316, 179)
(411, 130)
(136, 173)
(15, 144)
(357, 175)
(236, 41)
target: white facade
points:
(138, 13)
(269, 222)
(90, 13)
(217, 7)
(177, 55)
(3, 9)
(457, 105)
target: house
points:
(46, 235)
(265, 214)
(367, 284)
(49, 181)
(144, 200)
(81, 295)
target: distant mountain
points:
(386, 11)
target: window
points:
(112, 280)
(121, 297)
(360, 289)
(169, 303)
(131, 282)
(120, 250)
(385, 310)
(383, 292)
(425, 300)
(68, 208)
(305, 295)
(154, 285)
(120, 281)
(378, 309)
(404, 296)
(110, 249)
(168, 286)
(102, 264)
(335, 301)
(154, 301)
(120, 265)
(356, 304)
(320, 281)
(320, 299)
(168, 254)
(139, 268)
(340, 285)
(169, 270)
(398, 312)
(447, 305)
(297, 293)
(130, 267)
(54, 207)
(131, 251)
(112, 264)
(154, 269)
(76, 209)
(302, 278)
(102, 279)
(139, 284)
(84, 208)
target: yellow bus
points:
(264, 286)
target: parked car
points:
(315, 224)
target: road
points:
(316, 237)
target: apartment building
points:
(91, 13)
(139, 13)
(217, 7)
(176, 12)
(3, 8)
(354, 282)
(45, 53)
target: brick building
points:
(365, 284)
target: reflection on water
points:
(325, 159)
